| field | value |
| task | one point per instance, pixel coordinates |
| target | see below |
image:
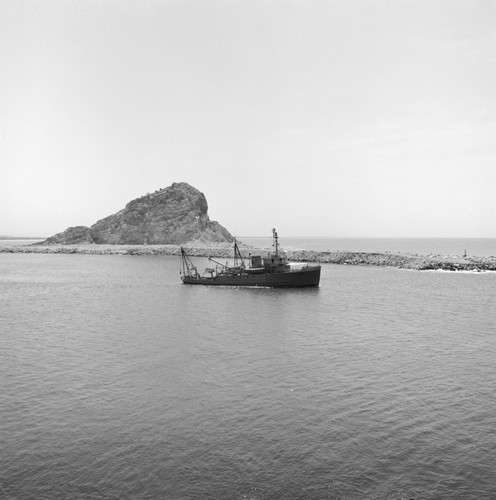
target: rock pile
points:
(224, 251)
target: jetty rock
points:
(174, 215)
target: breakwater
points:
(382, 259)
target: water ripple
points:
(118, 382)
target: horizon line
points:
(12, 237)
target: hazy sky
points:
(317, 117)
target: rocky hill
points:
(174, 215)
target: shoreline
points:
(416, 262)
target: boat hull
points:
(300, 278)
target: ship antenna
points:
(276, 244)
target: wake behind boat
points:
(271, 271)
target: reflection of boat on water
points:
(271, 271)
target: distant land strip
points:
(381, 259)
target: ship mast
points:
(189, 269)
(276, 243)
(238, 256)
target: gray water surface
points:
(120, 382)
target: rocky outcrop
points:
(174, 215)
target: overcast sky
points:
(317, 117)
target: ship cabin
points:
(271, 263)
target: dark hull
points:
(302, 277)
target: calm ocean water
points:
(120, 382)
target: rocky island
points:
(170, 216)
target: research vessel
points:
(273, 270)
